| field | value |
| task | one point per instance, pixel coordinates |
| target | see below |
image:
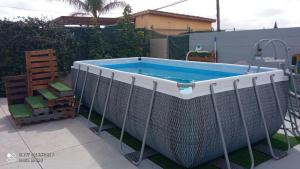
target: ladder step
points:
(47, 94)
(134, 156)
(20, 110)
(294, 114)
(266, 150)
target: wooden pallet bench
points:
(37, 96)
(28, 110)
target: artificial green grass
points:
(19, 110)
(278, 141)
(240, 157)
(60, 87)
(36, 102)
(47, 94)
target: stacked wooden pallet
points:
(36, 96)
(44, 106)
(59, 98)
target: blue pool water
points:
(178, 74)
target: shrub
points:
(32, 34)
(71, 44)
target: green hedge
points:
(71, 44)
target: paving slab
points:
(10, 141)
(95, 155)
(289, 162)
(114, 142)
(70, 141)
(21, 165)
(56, 135)
(3, 101)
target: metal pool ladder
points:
(293, 96)
(260, 45)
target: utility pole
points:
(218, 16)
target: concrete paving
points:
(292, 161)
(69, 144)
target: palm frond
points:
(112, 5)
(79, 14)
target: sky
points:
(235, 14)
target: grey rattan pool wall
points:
(185, 130)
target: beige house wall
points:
(170, 25)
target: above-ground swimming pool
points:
(183, 123)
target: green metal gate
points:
(178, 46)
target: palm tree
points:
(94, 7)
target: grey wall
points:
(159, 48)
(237, 47)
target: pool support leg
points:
(219, 125)
(147, 125)
(106, 102)
(94, 96)
(263, 118)
(244, 123)
(82, 91)
(126, 114)
(76, 80)
(280, 111)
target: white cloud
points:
(251, 14)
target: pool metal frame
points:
(212, 91)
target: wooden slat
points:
(16, 97)
(16, 84)
(43, 58)
(39, 87)
(12, 78)
(43, 70)
(16, 90)
(41, 52)
(44, 75)
(40, 82)
(44, 64)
